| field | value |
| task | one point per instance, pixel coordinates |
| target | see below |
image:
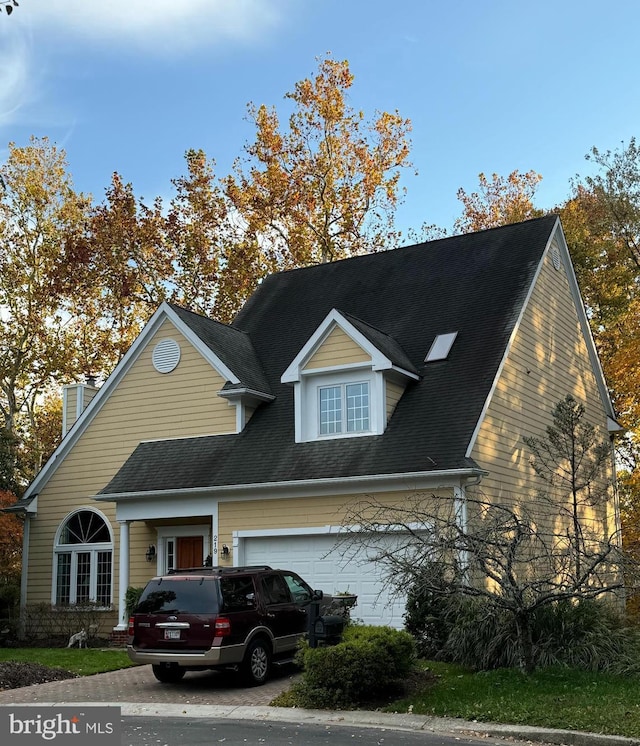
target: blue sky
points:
(489, 85)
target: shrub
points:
(131, 598)
(369, 663)
(426, 615)
(587, 634)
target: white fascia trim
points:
(309, 372)
(257, 533)
(333, 318)
(164, 312)
(245, 392)
(507, 350)
(613, 426)
(195, 340)
(557, 235)
(419, 480)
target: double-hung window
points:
(344, 408)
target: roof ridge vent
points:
(440, 347)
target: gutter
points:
(334, 485)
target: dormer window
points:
(347, 379)
(344, 408)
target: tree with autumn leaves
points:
(78, 280)
(327, 186)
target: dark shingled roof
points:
(383, 342)
(231, 345)
(473, 284)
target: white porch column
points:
(123, 575)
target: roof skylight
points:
(440, 347)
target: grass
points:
(552, 698)
(84, 661)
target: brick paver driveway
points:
(138, 684)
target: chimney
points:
(75, 399)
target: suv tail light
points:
(130, 631)
(222, 626)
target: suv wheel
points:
(256, 665)
(168, 674)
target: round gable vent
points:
(555, 257)
(166, 355)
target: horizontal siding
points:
(394, 392)
(547, 361)
(337, 349)
(70, 406)
(297, 512)
(146, 405)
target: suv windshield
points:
(184, 596)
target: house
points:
(414, 369)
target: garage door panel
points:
(331, 567)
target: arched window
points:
(83, 560)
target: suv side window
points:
(300, 591)
(275, 590)
(238, 594)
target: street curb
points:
(361, 719)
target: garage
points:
(328, 565)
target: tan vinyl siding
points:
(547, 361)
(393, 393)
(70, 406)
(337, 349)
(296, 512)
(146, 405)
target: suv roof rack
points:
(209, 570)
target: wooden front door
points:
(189, 551)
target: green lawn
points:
(553, 698)
(85, 661)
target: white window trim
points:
(344, 408)
(76, 549)
(307, 401)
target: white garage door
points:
(325, 565)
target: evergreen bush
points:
(369, 663)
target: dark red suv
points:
(243, 618)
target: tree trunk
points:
(525, 643)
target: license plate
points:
(172, 634)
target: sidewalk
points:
(214, 695)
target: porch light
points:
(150, 553)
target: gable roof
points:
(385, 352)
(475, 284)
(228, 350)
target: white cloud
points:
(15, 73)
(169, 24)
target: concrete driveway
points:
(138, 684)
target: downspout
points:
(461, 513)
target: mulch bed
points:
(14, 674)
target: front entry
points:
(189, 551)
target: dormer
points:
(347, 380)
